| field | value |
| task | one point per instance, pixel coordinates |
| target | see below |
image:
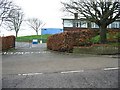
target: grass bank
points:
(30, 38)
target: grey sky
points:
(46, 10)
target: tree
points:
(101, 12)
(35, 24)
(5, 7)
(15, 19)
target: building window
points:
(115, 25)
(96, 26)
(84, 24)
(93, 25)
(68, 23)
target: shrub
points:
(67, 40)
(112, 36)
(7, 42)
(95, 39)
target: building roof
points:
(83, 19)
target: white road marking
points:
(77, 71)
(30, 74)
(11, 53)
(32, 52)
(111, 68)
(73, 71)
(27, 52)
(22, 53)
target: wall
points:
(51, 30)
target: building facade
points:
(83, 24)
(80, 23)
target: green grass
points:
(30, 38)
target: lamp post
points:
(41, 33)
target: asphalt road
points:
(86, 79)
(32, 66)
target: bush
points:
(95, 39)
(111, 37)
(7, 42)
(67, 40)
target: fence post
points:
(14, 39)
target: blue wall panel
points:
(51, 30)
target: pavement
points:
(33, 66)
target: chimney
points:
(75, 15)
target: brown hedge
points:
(67, 40)
(113, 33)
(7, 42)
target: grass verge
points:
(30, 38)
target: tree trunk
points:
(103, 34)
(16, 33)
(36, 32)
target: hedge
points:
(67, 40)
(7, 42)
(114, 35)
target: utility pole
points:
(41, 33)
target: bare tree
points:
(101, 12)
(35, 24)
(15, 20)
(5, 7)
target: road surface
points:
(33, 66)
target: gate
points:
(28, 43)
(23, 44)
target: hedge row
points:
(114, 35)
(67, 40)
(7, 42)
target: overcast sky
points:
(49, 11)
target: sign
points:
(35, 41)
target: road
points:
(37, 67)
(87, 79)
